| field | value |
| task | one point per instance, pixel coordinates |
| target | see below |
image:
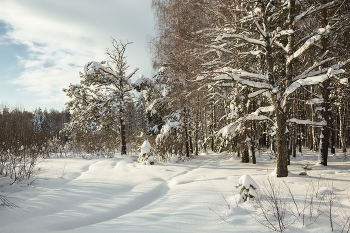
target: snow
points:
(199, 78)
(145, 147)
(312, 10)
(236, 75)
(343, 80)
(174, 158)
(252, 95)
(247, 182)
(314, 101)
(242, 37)
(306, 122)
(307, 44)
(308, 82)
(119, 195)
(142, 81)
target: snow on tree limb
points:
(265, 109)
(321, 71)
(241, 73)
(307, 44)
(231, 129)
(220, 48)
(279, 44)
(242, 37)
(306, 122)
(252, 95)
(262, 32)
(318, 64)
(132, 73)
(313, 80)
(237, 78)
(312, 10)
(315, 101)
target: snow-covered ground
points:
(119, 195)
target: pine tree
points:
(102, 96)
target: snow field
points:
(119, 195)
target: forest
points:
(231, 76)
(260, 83)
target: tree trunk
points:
(325, 93)
(197, 126)
(282, 145)
(252, 149)
(314, 138)
(245, 155)
(122, 135)
(205, 129)
(253, 132)
(300, 139)
(342, 128)
(213, 125)
(186, 134)
(190, 140)
(333, 141)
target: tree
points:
(258, 44)
(102, 96)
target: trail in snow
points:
(118, 195)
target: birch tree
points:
(267, 30)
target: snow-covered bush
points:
(145, 157)
(174, 158)
(248, 189)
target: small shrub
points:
(248, 189)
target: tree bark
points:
(325, 93)
(245, 155)
(186, 134)
(333, 141)
(252, 149)
(342, 128)
(122, 135)
(213, 125)
(282, 144)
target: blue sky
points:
(45, 43)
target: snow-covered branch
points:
(308, 82)
(313, 10)
(252, 95)
(237, 78)
(242, 37)
(231, 129)
(321, 71)
(306, 122)
(307, 44)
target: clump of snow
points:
(146, 147)
(174, 158)
(274, 172)
(199, 78)
(344, 80)
(145, 158)
(248, 189)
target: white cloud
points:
(61, 36)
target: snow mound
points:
(248, 189)
(145, 147)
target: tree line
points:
(243, 74)
(26, 136)
(231, 76)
